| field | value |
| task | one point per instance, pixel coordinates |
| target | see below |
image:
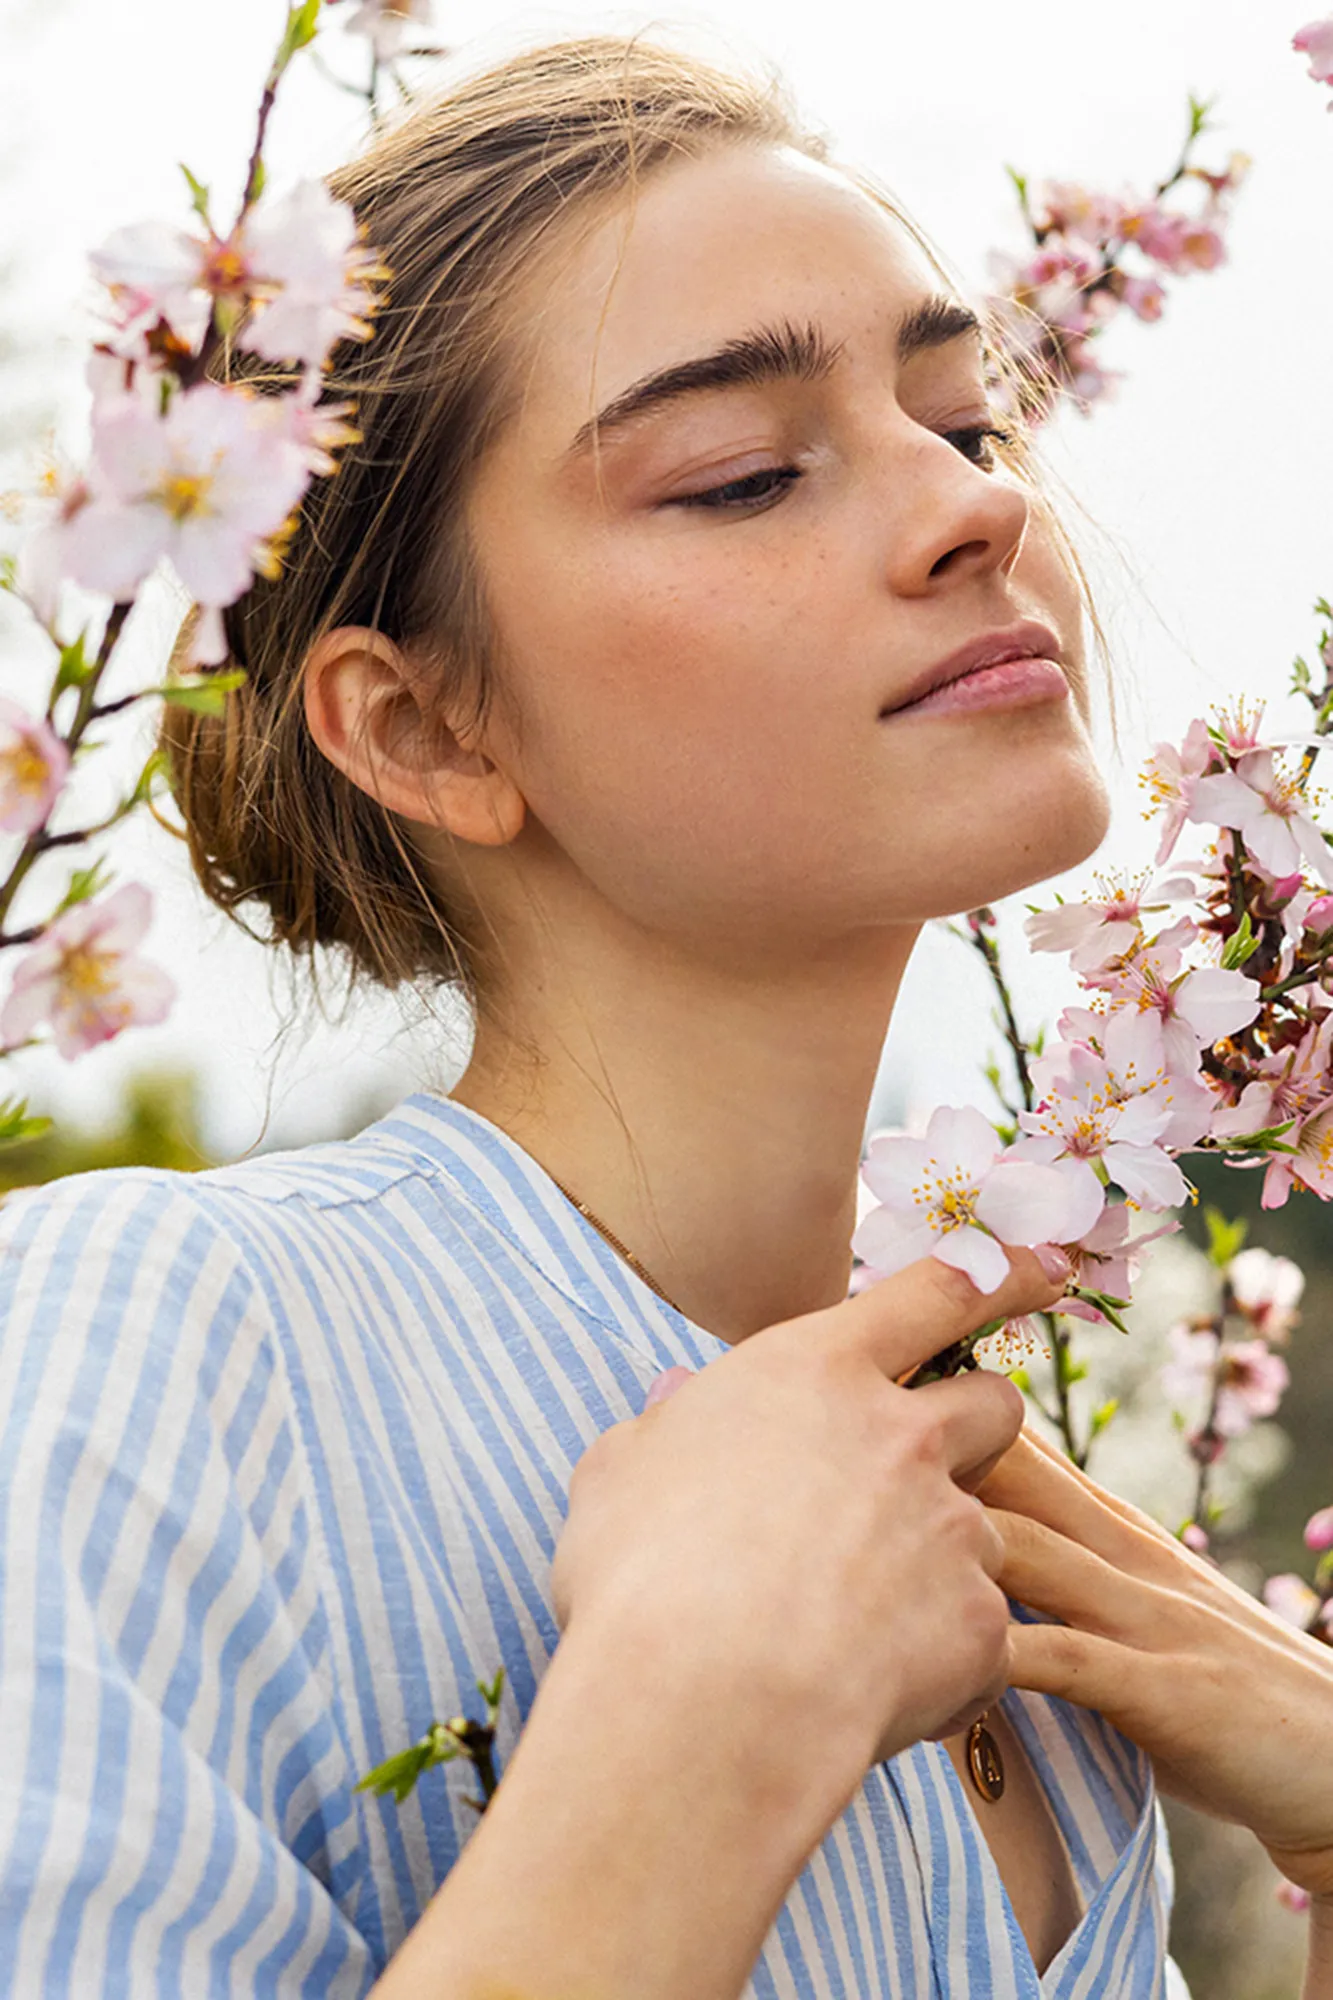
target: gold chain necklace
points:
(616, 1244)
(984, 1762)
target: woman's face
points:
(717, 619)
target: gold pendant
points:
(984, 1761)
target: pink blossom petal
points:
(978, 1255)
(1319, 1530)
(1025, 1203)
(1217, 1003)
(1147, 1175)
(963, 1135)
(893, 1167)
(1292, 1600)
(890, 1242)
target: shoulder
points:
(83, 1245)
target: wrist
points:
(636, 1844)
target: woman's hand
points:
(794, 1534)
(1234, 1707)
(767, 1581)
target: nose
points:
(951, 519)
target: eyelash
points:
(735, 494)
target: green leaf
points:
(302, 23)
(206, 694)
(198, 194)
(1020, 183)
(1225, 1239)
(1300, 676)
(75, 667)
(1270, 1140)
(15, 1124)
(1242, 944)
(1021, 1380)
(397, 1774)
(490, 1691)
(1102, 1417)
(83, 883)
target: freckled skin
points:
(739, 662)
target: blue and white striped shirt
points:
(284, 1453)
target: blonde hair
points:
(459, 197)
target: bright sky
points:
(1206, 478)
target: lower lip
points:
(1011, 684)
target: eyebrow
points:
(784, 352)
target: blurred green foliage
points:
(156, 1124)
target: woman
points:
(683, 632)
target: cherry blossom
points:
(41, 564)
(1292, 1600)
(154, 273)
(84, 978)
(34, 764)
(1319, 1531)
(1267, 1290)
(1316, 42)
(1309, 1166)
(1181, 242)
(312, 279)
(956, 1196)
(1106, 1259)
(1194, 1006)
(1291, 1084)
(1086, 1120)
(1265, 804)
(211, 484)
(1170, 776)
(1245, 1381)
(1145, 297)
(385, 23)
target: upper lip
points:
(1027, 641)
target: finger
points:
(902, 1321)
(1037, 1480)
(1051, 1574)
(979, 1416)
(1082, 1667)
(1111, 1502)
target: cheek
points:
(699, 719)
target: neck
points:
(712, 1119)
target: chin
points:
(1029, 836)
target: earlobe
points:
(364, 709)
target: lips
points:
(1027, 641)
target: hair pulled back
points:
(457, 196)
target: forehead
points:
(706, 249)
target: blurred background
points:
(1199, 494)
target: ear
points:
(380, 723)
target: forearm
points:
(625, 1854)
(1319, 1962)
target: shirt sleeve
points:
(176, 1811)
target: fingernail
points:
(1054, 1262)
(666, 1384)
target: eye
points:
(755, 490)
(976, 442)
